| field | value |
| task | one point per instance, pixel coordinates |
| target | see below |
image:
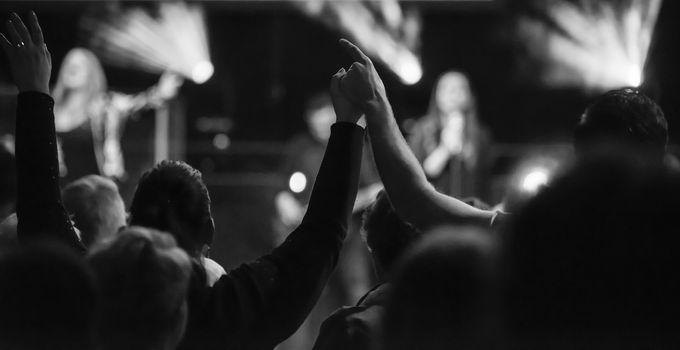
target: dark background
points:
(269, 58)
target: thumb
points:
(335, 80)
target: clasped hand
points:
(357, 90)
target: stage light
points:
(633, 75)
(173, 39)
(598, 45)
(409, 70)
(535, 179)
(380, 29)
(221, 141)
(202, 72)
(297, 182)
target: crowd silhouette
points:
(589, 263)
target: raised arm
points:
(262, 303)
(413, 197)
(39, 208)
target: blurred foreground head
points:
(47, 299)
(623, 118)
(96, 206)
(444, 293)
(387, 236)
(143, 278)
(172, 197)
(592, 260)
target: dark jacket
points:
(354, 327)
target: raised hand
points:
(345, 111)
(29, 60)
(362, 84)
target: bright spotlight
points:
(202, 72)
(633, 75)
(534, 180)
(297, 182)
(409, 70)
(599, 45)
(173, 40)
(378, 27)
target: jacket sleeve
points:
(276, 293)
(40, 211)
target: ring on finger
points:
(20, 45)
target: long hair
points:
(472, 132)
(84, 98)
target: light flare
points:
(599, 45)
(173, 40)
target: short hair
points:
(626, 117)
(96, 205)
(444, 294)
(386, 234)
(47, 299)
(143, 278)
(172, 197)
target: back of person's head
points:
(96, 206)
(622, 118)
(143, 278)
(386, 235)
(47, 299)
(591, 261)
(444, 294)
(172, 197)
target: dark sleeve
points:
(275, 293)
(40, 211)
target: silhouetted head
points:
(47, 299)
(387, 235)
(172, 197)
(96, 207)
(444, 293)
(623, 118)
(591, 261)
(143, 279)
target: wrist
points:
(35, 87)
(377, 107)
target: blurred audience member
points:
(445, 294)
(591, 260)
(143, 279)
(95, 206)
(623, 119)
(387, 237)
(47, 300)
